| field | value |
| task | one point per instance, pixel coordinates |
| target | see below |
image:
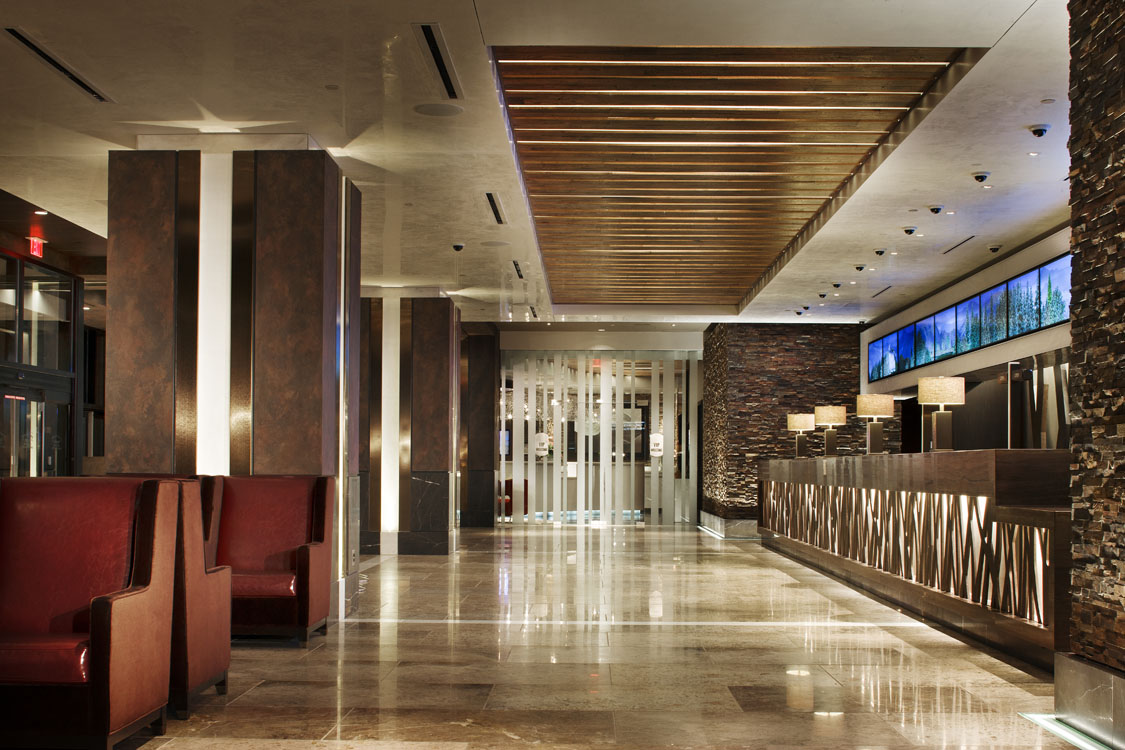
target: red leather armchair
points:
(276, 535)
(86, 588)
(201, 615)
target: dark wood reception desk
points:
(976, 540)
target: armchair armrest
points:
(131, 630)
(314, 560)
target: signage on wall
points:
(656, 445)
(541, 444)
(37, 244)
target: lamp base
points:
(874, 437)
(942, 430)
(830, 441)
(802, 445)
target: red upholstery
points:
(265, 584)
(37, 658)
(92, 562)
(276, 534)
(43, 542)
(201, 626)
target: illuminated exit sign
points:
(37, 244)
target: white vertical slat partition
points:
(580, 438)
(605, 452)
(653, 500)
(519, 424)
(668, 414)
(619, 438)
(690, 458)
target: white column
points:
(619, 429)
(668, 414)
(605, 447)
(652, 499)
(388, 466)
(212, 451)
(504, 434)
(580, 438)
(519, 424)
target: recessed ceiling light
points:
(872, 268)
(919, 235)
(601, 330)
(837, 294)
(1046, 101)
(851, 282)
(40, 212)
(894, 252)
(673, 325)
(85, 307)
(986, 187)
(438, 109)
(821, 304)
(1033, 153)
(950, 213)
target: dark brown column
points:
(1090, 684)
(283, 372)
(480, 413)
(152, 311)
(371, 424)
(428, 388)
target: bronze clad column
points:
(152, 267)
(480, 412)
(429, 387)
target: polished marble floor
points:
(616, 638)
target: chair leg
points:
(160, 723)
(221, 685)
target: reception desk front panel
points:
(978, 540)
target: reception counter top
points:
(977, 540)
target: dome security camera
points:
(981, 176)
(936, 209)
(804, 307)
(822, 295)
(458, 247)
(909, 230)
(836, 285)
(880, 251)
(799, 312)
(994, 248)
(859, 268)
(1039, 130)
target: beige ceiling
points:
(350, 73)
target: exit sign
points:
(36, 246)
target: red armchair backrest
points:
(263, 521)
(63, 541)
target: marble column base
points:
(1091, 698)
(729, 528)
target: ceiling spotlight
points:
(40, 212)
(1029, 153)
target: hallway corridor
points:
(624, 638)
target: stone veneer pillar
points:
(753, 376)
(1090, 684)
(480, 413)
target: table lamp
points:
(942, 392)
(873, 406)
(829, 417)
(801, 423)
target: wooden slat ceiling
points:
(676, 175)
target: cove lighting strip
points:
(1052, 724)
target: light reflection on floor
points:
(619, 637)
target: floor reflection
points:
(625, 637)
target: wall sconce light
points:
(829, 417)
(873, 406)
(942, 392)
(801, 423)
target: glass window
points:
(46, 330)
(1023, 303)
(945, 333)
(8, 272)
(968, 325)
(875, 360)
(924, 341)
(1054, 291)
(994, 315)
(904, 353)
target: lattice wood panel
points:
(676, 175)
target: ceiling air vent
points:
(534, 314)
(433, 45)
(494, 206)
(959, 244)
(519, 272)
(37, 49)
(876, 294)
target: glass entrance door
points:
(33, 435)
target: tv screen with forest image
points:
(1023, 303)
(1029, 302)
(1054, 291)
(994, 315)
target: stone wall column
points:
(1090, 683)
(481, 413)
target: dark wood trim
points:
(243, 233)
(186, 310)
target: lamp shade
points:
(827, 416)
(941, 391)
(874, 405)
(801, 422)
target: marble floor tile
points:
(622, 638)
